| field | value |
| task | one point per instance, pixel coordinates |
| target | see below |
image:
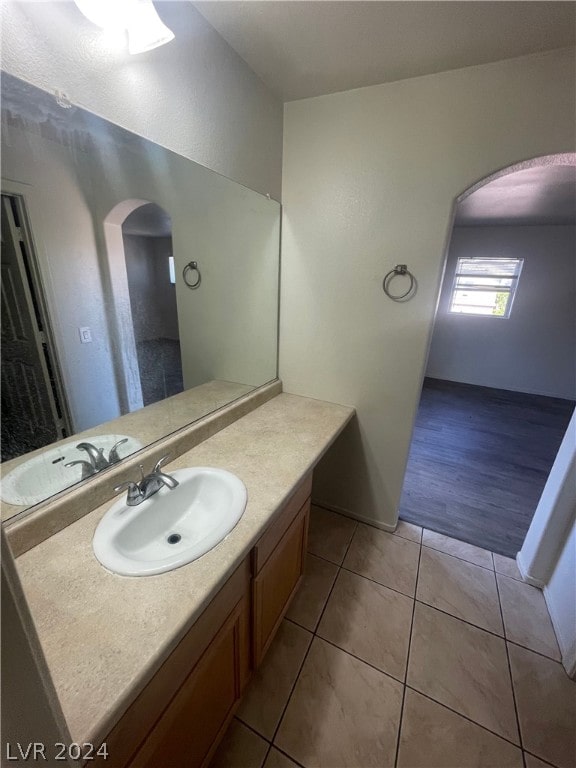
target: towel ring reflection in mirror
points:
(400, 269)
(192, 266)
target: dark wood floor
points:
(479, 460)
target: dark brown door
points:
(31, 412)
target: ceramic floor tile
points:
(458, 548)
(434, 737)
(276, 759)
(462, 589)
(526, 617)
(342, 713)
(464, 668)
(408, 531)
(534, 762)
(546, 701)
(390, 560)
(240, 748)
(370, 621)
(329, 534)
(506, 566)
(308, 603)
(266, 696)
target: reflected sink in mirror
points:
(46, 473)
(174, 526)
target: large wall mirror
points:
(139, 293)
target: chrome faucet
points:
(97, 461)
(148, 485)
(96, 455)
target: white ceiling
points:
(314, 47)
(544, 195)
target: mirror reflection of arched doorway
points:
(147, 238)
(143, 317)
(499, 386)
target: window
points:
(485, 286)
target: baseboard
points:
(354, 516)
(567, 645)
(525, 575)
(523, 391)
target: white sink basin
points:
(46, 473)
(172, 527)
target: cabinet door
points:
(277, 581)
(133, 729)
(189, 730)
(268, 542)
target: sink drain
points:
(174, 538)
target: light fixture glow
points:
(109, 14)
(148, 31)
(137, 17)
(114, 38)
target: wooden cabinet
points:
(189, 702)
(182, 713)
(278, 567)
(198, 716)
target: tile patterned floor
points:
(411, 650)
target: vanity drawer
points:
(270, 538)
(277, 582)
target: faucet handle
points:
(160, 462)
(113, 457)
(134, 491)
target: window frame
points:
(508, 289)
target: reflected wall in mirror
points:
(101, 336)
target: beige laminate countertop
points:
(105, 635)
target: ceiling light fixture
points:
(147, 31)
(138, 18)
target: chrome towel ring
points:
(192, 266)
(400, 269)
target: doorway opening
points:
(499, 387)
(138, 236)
(34, 411)
(147, 238)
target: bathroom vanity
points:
(186, 707)
(155, 666)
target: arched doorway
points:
(147, 237)
(499, 387)
(145, 325)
